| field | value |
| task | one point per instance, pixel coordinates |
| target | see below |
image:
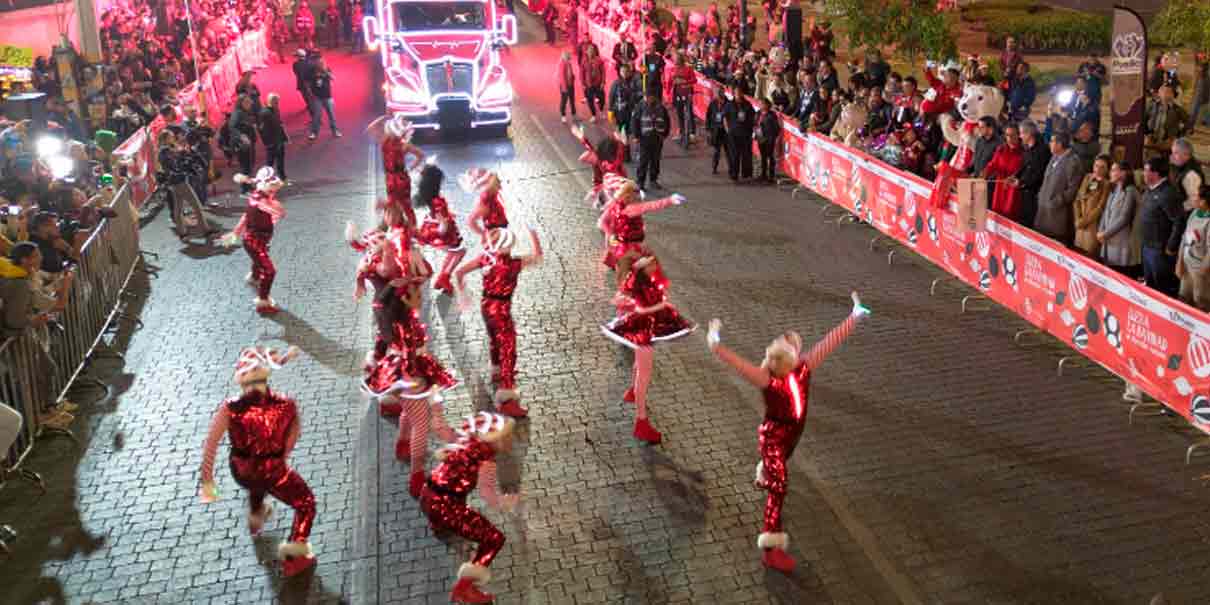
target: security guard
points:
(624, 96)
(652, 124)
(739, 119)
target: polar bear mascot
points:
(977, 102)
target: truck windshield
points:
(420, 16)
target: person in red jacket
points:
(944, 92)
(566, 74)
(263, 427)
(592, 73)
(255, 228)
(304, 25)
(783, 379)
(500, 273)
(1005, 163)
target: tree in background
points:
(913, 28)
(1184, 23)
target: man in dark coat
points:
(1163, 225)
(651, 123)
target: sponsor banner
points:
(1158, 343)
(16, 56)
(1128, 77)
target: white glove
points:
(859, 309)
(678, 199)
(712, 337)
(208, 493)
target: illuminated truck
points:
(442, 61)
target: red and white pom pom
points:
(256, 363)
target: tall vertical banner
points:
(1128, 76)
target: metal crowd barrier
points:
(38, 368)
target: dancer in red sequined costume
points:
(501, 270)
(409, 383)
(263, 427)
(489, 212)
(256, 229)
(395, 134)
(439, 229)
(783, 379)
(393, 265)
(645, 318)
(606, 157)
(622, 220)
(470, 462)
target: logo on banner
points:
(1199, 408)
(1128, 49)
(1198, 353)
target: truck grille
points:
(459, 79)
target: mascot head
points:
(978, 101)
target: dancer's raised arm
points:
(754, 374)
(830, 342)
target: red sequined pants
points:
(776, 441)
(263, 271)
(272, 476)
(399, 188)
(502, 338)
(450, 513)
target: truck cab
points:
(441, 60)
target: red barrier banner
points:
(1158, 343)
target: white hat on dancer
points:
(398, 126)
(476, 180)
(499, 241)
(256, 363)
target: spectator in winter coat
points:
(1200, 113)
(1187, 173)
(1117, 221)
(625, 53)
(768, 129)
(1003, 165)
(985, 144)
(1193, 262)
(1035, 158)
(273, 135)
(565, 74)
(304, 25)
(550, 17)
(592, 74)
(1022, 94)
(1163, 224)
(1090, 204)
(716, 130)
(1165, 120)
(1059, 187)
(17, 290)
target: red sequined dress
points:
(653, 319)
(439, 229)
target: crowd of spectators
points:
(1048, 173)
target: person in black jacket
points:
(717, 130)
(242, 125)
(302, 75)
(321, 91)
(739, 120)
(274, 136)
(1163, 226)
(1035, 158)
(651, 123)
(246, 87)
(624, 96)
(625, 54)
(768, 129)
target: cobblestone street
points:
(941, 463)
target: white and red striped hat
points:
(616, 185)
(399, 127)
(499, 240)
(256, 363)
(476, 180)
(488, 427)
